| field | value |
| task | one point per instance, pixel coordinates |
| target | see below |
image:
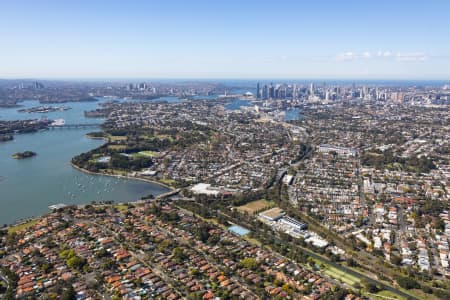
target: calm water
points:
(29, 186)
(237, 103)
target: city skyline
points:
(200, 39)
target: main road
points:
(327, 261)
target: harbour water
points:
(29, 186)
(237, 104)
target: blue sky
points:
(372, 39)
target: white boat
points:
(57, 206)
(58, 122)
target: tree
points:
(406, 282)
(351, 262)
(101, 253)
(69, 294)
(427, 289)
(395, 259)
(178, 254)
(46, 267)
(249, 263)
(76, 262)
(202, 232)
(11, 239)
(369, 286)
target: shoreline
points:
(23, 220)
(33, 218)
(115, 175)
(123, 177)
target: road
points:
(329, 262)
(6, 280)
(146, 263)
(207, 257)
(357, 274)
(362, 199)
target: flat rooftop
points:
(273, 213)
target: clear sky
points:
(364, 39)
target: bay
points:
(29, 186)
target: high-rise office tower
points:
(271, 91)
(143, 86)
(37, 85)
(294, 91)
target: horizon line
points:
(103, 79)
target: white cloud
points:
(384, 54)
(352, 55)
(418, 56)
(413, 56)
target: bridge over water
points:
(75, 126)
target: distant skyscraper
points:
(294, 91)
(258, 91)
(37, 85)
(271, 91)
(311, 89)
(264, 92)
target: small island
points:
(6, 137)
(25, 154)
